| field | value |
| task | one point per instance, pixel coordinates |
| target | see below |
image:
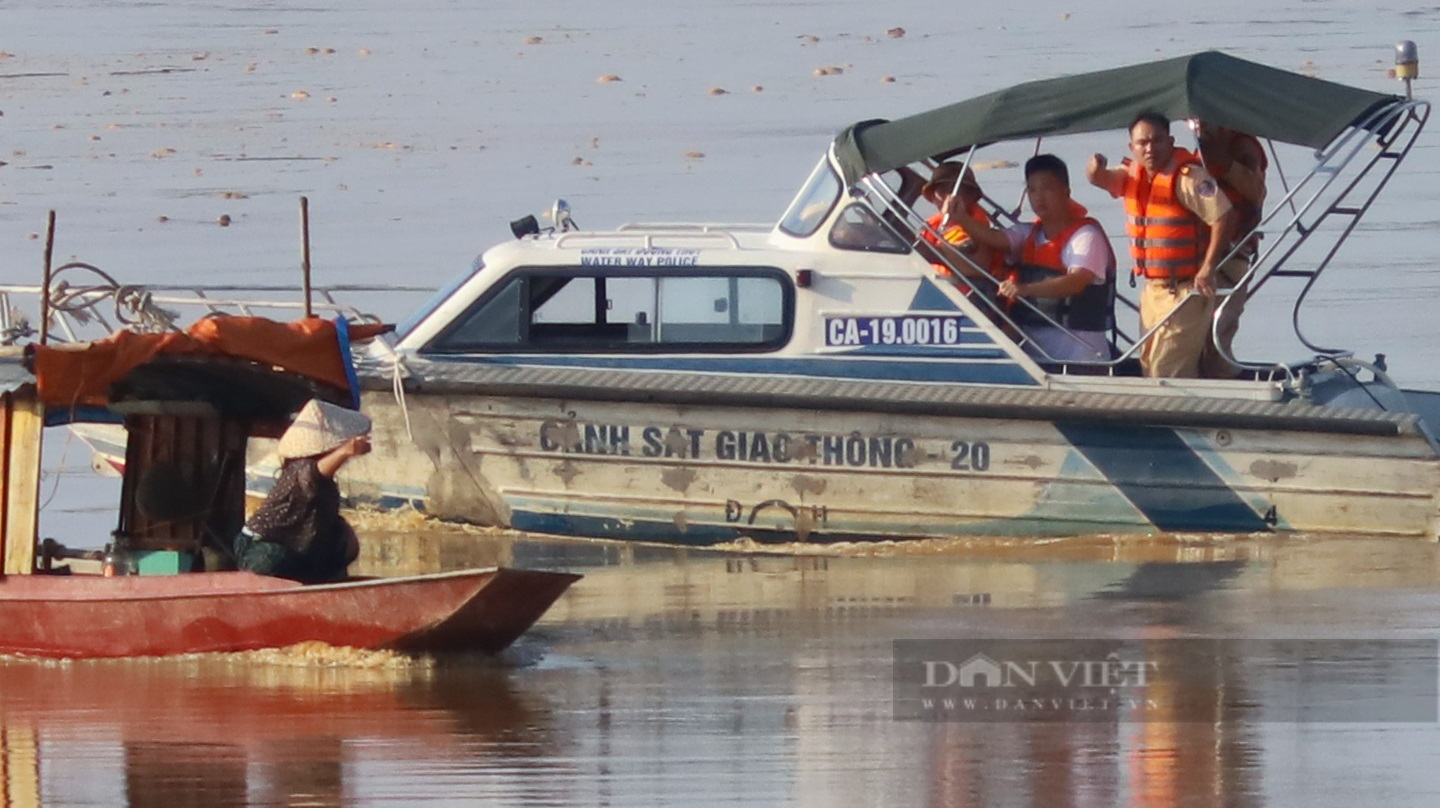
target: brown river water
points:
(671, 676)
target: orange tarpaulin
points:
(73, 375)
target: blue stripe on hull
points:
(1165, 479)
(928, 297)
(625, 527)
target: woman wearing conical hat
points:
(297, 532)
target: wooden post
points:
(305, 251)
(45, 284)
(20, 488)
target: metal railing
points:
(1333, 189)
(86, 303)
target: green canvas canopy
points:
(1241, 95)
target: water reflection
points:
(321, 727)
(755, 679)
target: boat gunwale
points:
(910, 398)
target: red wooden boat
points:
(85, 616)
(189, 402)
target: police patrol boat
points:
(819, 380)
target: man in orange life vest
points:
(1237, 161)
(1066, 268)
(942, 188)
(1179, 225)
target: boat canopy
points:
(1263, 101)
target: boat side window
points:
(495, 322)
(441, 295)
(858, 228)
(568, 310)
(814, 202)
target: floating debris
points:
(717, 91)
(271, 31)
(829, 70)
(200, 57)
(608, 78)
(165, 152)
(694, 155)
(234, 195)
(300, 95)
(895, 33)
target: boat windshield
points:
(814, 202)
(433, 303)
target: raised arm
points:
(1100, 175)
(978, 231)
(330, 462)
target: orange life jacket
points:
(1166, 239)
(1090, 310)
(955, 235)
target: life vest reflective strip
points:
(1166, 239)
(955, 235)
(1247, 213)
(1092, 309)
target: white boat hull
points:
(653, 471)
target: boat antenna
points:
(305, 252)
(45, 284)
(1407, 64)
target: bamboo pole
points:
(305, 251)
(45, 282)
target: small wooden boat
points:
(85, 616)
(189, 403)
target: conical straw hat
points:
(320, 427)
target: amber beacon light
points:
(1407, 63)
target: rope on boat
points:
(135, 306)
(397, 383)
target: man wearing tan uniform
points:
(1237, 161)
(1179, 225)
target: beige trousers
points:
(1174, 350)
(1213, 363)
